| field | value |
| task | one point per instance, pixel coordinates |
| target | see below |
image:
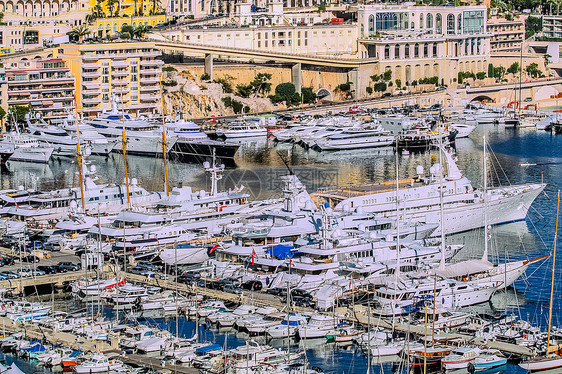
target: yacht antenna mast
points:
(215, 171)
(164, 143)
(485, 255)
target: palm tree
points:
(141, 30)
(155, 5)
(111, 6)
(80, 32)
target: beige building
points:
(130, 71)
(424, 41)
(506, 36)
(45, 85)
(31, 24)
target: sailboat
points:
(552, 358)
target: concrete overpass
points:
(504, 94)
(356, 69)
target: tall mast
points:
(79, 159)
(124, 147)
(552, 280)
(485, 255)
(442, 212)
(164, 143)
(397, 272)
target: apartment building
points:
(424, 41)
(130, 71)
(552, 26)
(506, 35)
(31, 24)
(45, 85)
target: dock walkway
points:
(156, 364)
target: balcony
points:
(149, 97)
(91, 57)
(96, 74)
(120, 73)
(149, 88)
(120, 82)
(91, 65)
(91, 101)
(149, 80)
(120, 64)
(91, 91)
(91, 84)
(152, 54)
(92, 109)
(151, 63)
(121, 90)
(150, 71)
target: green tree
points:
(244, 90)
(261, 83)
(514, 68)
(490, 70)
(111, 6)
(398, 83)
(343, 87)
(387, 75)
(481, 75)
(141, 30)
(369, 90)
(499, 73)
(533, 25)
(286, 91)
(308, 95)
(80, 32)
(380, 87)
(533, 70)
(321, 8)
(19, 111)
(127, 32)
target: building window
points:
(429, 21)
(473, 22)
(387, 21)
(459, 24)
(421, 20)
(416, 50)
(438, 24)
(386, 52)
(371, 24)
(450, 24)
(407, 51)
(425, 50)
(434, 49)
(397, 51)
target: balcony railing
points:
(91, 75)
(149, 80)
(120, 82)
(120, 73)
(91, 101)
(91, 65)
(150, 97)
(149, 88)
(152, 62)
(150, 71)
(91, 91)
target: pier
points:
(156, 364)
(356, 314)
(58, 280)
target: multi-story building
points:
(552, 26)
(45, 85)
(104, 27)
(506, 35)
(130, 71)
(31, 24)
(424, 41)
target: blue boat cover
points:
(35, 348)
(209, 348)
(280, 251)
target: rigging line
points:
(538, 234)
(499, 165)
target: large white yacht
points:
(241, 130)
(89, 137)
(187, 209)
(21, 147)
(97, 198)
(419, 199)
(354, 138)
(50, 135)
(143, 137)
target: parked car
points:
(300, 293)
(6, 260)
(230, 288)
(47, 269)
(60, 269)
(37, 272)
(147, 265)
(252, 285)
(277, 291)
(25, 273)
(10, 274)
(30, 258)
(303, 302)
(69, 266)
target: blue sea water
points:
(259, 166)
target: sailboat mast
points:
(397, 272)
(442, 211)
(485, 256)
(553, 267)
(79, 159)
(164, 143)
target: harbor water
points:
(259, 164)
